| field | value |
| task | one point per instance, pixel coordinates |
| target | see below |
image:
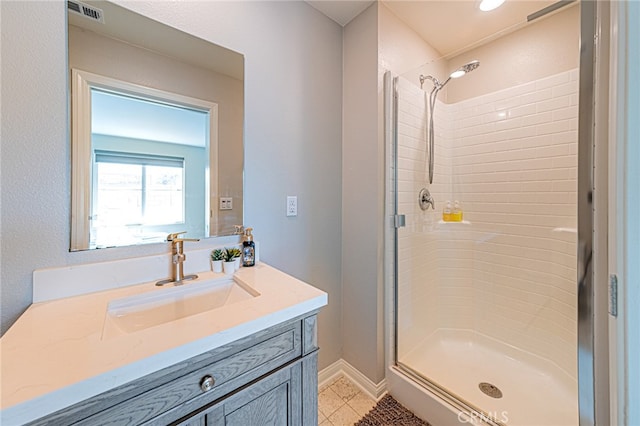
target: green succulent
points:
(231, 253)
(228, 254)
(218, 254)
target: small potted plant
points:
(217, 257)
(237, 254)
(229, 264)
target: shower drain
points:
(490, 390)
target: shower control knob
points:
(206, 384)
(425, 199)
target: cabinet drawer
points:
(221, 376)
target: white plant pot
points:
(238, 262)
(216, 265)
(229, 267)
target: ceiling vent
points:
(85, 10)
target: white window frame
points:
(81, 84)
(130, 159)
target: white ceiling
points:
(341, 11)
(449, 26)
(123, 24)
(130, 117)
(452, 26)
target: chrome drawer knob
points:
(206, 384)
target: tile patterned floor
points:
(342, 403)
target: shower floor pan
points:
(534, 392)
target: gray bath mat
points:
(389, 412)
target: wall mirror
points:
(156, 130)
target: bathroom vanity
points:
(269, 377)
(141, 355)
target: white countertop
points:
(55, 355)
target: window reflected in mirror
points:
(133, 194)
(150, 155)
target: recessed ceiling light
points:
(487, 5)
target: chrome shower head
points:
(466, 68)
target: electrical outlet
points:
(226, 203)
(292, 205)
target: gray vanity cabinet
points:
(275, 400)
(268, 378)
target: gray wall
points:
(362, 200)
(293, 122)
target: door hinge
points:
(613, 295)
(399, 221)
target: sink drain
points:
(490, 390)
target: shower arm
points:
(436, 84)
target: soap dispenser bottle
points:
(446, 212)
(248, 249)
(456, 213)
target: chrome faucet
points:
(177, 260)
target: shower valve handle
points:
(425, 199)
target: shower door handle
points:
(584, 262)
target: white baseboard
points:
(343, 368)
(330, 373)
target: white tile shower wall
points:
(454, 241)
(514, 170)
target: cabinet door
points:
(199, 420)
(274, 401)
(270, 408)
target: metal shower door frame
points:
(592, 204)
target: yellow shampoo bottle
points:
(446, 212)
(456, 213)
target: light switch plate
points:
(292, 205)
(226, 203)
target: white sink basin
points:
(167, 304)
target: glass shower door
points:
(486, 307)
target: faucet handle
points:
(425, 199)
(174, 236)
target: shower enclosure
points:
(486, 309)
